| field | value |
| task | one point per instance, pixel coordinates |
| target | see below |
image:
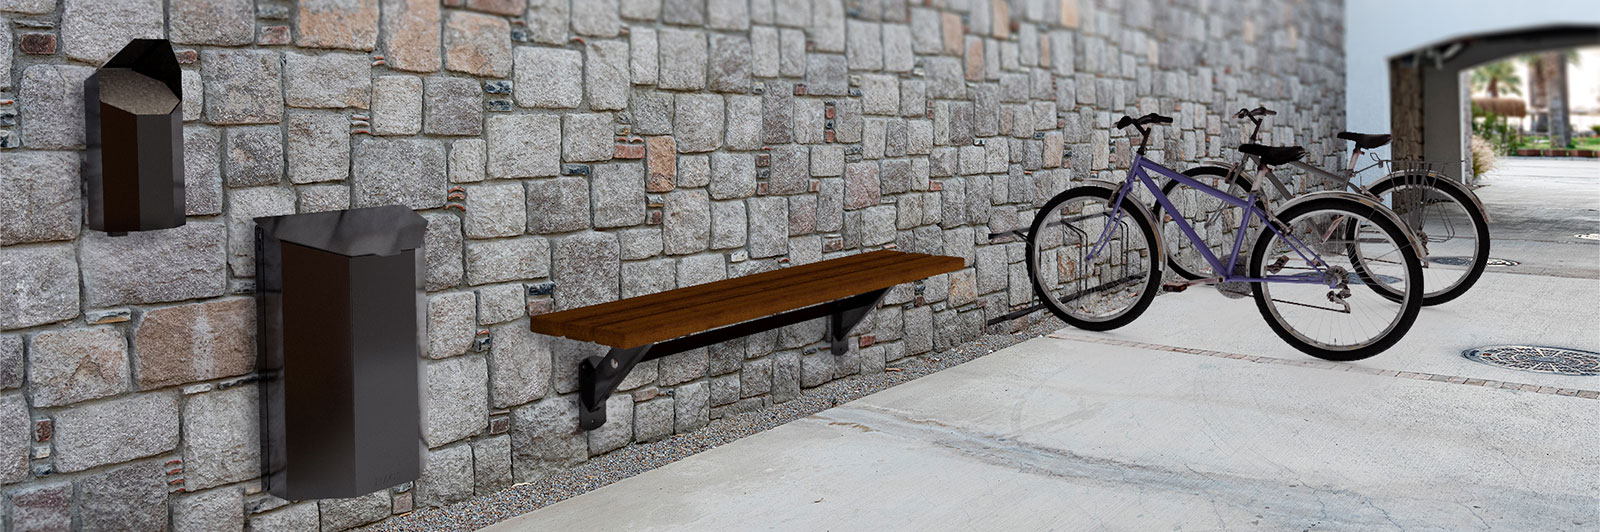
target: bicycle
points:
(1095, 260)
(1446, 217)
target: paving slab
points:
(1057, 434)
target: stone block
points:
(202, 169)
(346, 24)
(454, 107)
(683, 59)
(115, 430)
(131, 497)
(446, 477)
(410, 35)
(442, 247)
(686, 12)
(548, 78)
(861, 185)
(333, 80)
(702, 269)
(586, 137)
(498, 261)
(606, 74)
(341, 514)
(94, 30)
(744, 122)
(694, 171)
(585, 269)
(519, 365)
(769, 226)
(300, 517)
(53, 115)
(545, 438)
(558, 205)
(41, 199)
(792, 53)
(195, 342)
(686, 221)
(406, 172)
(456, 404)
(478, 44)
(698, 122)
(495, 210)
(547, 20)
(218, 510)
(222, 438)
(597, 18)
(467, 160)
(661, 158)
(619, 195)
(254, 156)
(223, 23)
(491, 461)
(764, 52)
(246, 205)
(618, 430)
(730, 59)
(243, 86)
(640, 243)
(43, 287)
(897, 49)
(878, 227)
(318, 146)
(733, 176)
(643, 67)
(647, 277)
(397, 105)
(452, 324)
(523, 145)
(826, 75)
(184, 262)
(501, 303)
(692, 404)
(653, 420)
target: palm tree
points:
(1541, 68)
(1495, 77)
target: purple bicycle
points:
(1095, 258)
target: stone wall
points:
(606, 149)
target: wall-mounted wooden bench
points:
(653, 326)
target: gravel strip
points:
(485, 510)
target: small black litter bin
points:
(339, 301)
(133, 129)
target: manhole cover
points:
(1502, 262)
(1558, 360)
(1590, 236)
(1451, 261)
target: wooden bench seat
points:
(656, 325)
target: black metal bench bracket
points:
(599, 376)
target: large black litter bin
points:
(339, 299)
(133, 129)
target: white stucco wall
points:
(1376, 30)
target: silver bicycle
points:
(1448, 220)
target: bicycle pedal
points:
(1174, 287)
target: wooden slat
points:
(777, 299)
(579, 322)
(714, 293)
(665, 315)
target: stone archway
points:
(1428, 95)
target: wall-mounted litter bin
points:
(340, 307)
(133, 129)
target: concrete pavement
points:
(1197, 417)
(1065, 435)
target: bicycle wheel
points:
(1451, 228)
(1089, 284)
(1215, 221)
(1323, 317)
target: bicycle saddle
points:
(1365, 142)
(1274, 155)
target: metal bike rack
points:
(599, 376)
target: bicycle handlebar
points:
(1253, 113)
(1151, 118)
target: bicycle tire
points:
(1152, 285)
(1238, 180)
(1480, 224)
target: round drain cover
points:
(1452, 261)
(1502, 262)
(1542, 359)
(1590, 236)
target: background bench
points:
(665, 323)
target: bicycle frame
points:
(1140, 171)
